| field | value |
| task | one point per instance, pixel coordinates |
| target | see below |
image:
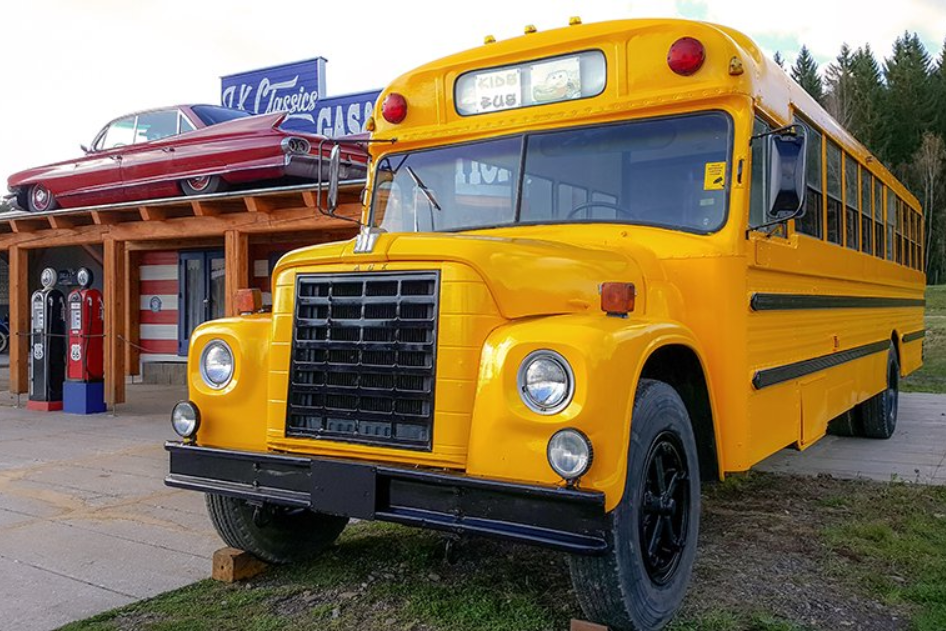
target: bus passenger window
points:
(810, 224)
(834, 193)
(853, 215)
(867, 227)
(878, 219)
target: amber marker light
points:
(618, 298)
(394, 108)
(249, 301)
(686, 56)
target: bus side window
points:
(810, 224)
(852, 213)
(834, 193)
(867, 227)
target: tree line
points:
(897, 109)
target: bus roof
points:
(639, 80)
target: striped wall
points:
(158, 332)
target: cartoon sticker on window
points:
(714, 178)
(557, 80)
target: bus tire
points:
(879, 413)
(274, 534)
(640, 581)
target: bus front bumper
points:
(563, 519)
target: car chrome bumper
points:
(554, 517)
(308, 166)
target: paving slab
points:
(915, 453)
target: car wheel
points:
(40, 199)
(204, 185)
(273, 533)
(879, 413)
(640, 582)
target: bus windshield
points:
(671, 172)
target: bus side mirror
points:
(334, 165)
(787, 166)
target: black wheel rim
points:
(664, 508)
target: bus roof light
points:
(686, 56)
(394, 108)
(574, 20)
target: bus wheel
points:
(640, 582)
(879, 413)
(273, 533)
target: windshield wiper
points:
(427, 192)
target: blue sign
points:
(298, 88)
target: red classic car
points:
(189, 149)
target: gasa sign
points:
(299, 89)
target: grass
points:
(876, 552)
(932, 376)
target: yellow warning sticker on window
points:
(715, 177)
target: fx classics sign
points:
(298, 88)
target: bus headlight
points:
(216, 364)
(569, 453)
(546, 382)
(185, 419)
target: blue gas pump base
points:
(82, 397)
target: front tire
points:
(274, 534)
(879, 413)
(40, 199)
(640, 582)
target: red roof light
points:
(686, 56)
(394, 108)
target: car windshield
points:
(672, 172)
(213, 114)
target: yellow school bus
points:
(597, 265)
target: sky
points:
(67, 67)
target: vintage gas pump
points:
(84, 390)
(47, 345)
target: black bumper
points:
(553, 517)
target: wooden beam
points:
(132, 312)
(258, 204)
(173, 244)
(27, 225)
(237, 261)
(62, 222)
(19, 320)
(153, 213)
(205, 209)
(104, 219)
(92, 252)
(114, 297)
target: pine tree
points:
(908, 104)
(938, 94)
(777, 58)
(839, 80)
(867, 88)
(805, 72)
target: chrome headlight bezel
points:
(208, 381)
(522, 382)
(577, 437)
(193, 417)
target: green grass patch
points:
(892, 544)
(932, 376)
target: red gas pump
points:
(84, 392)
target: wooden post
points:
(132, 311)
(237, 261)
(19, 320)
(115, 279)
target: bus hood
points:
(527, 277)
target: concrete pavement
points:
(86, 523)
(915, 453)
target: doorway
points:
(201, 292)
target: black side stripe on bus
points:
(916, 335)
(788, 372)
(793, 302)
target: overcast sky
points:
(69, 66)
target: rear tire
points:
(274, 534)
(640, 582)
(879, 413)
(205, 185)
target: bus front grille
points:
(363, 358)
